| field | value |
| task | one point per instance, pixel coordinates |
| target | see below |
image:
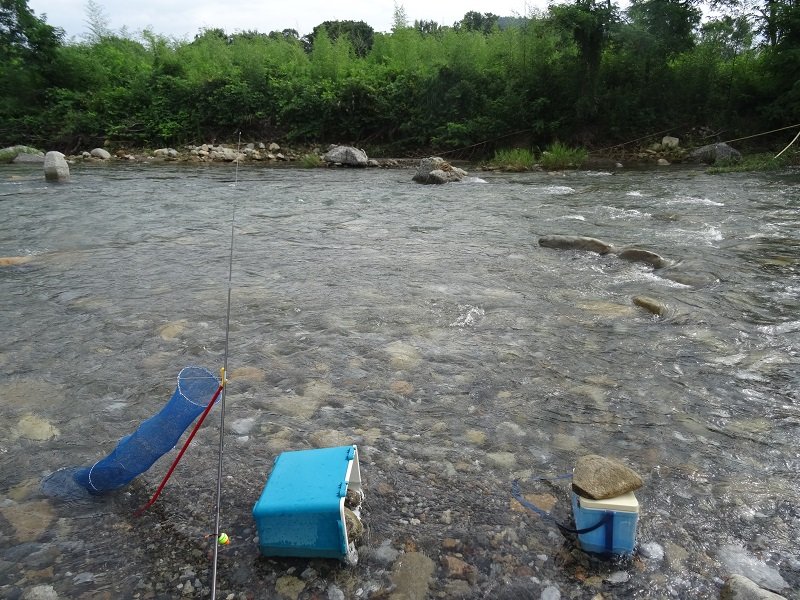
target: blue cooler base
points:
(301, 509)
(618, 537)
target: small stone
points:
(334, 593)
(618, 577)
(289, 586)
(355, 529)
(551, 592)
(455, 568)
(40, 592)
(652, 551)
(669, 142)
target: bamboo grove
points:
(587, 73)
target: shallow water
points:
(427, 326)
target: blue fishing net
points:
(135, 453)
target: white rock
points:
(670, 142)
(55, 167)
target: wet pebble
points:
(40, 592)
(652, 551)
(551, 592)
(618, 577)
(334, 593)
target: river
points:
(427, 326)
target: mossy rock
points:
(8, 155)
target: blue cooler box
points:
(618, 536)
(301, 509)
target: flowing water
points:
(426, 325)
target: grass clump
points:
(756, 163)
(311, 161)
(560, 156)
(513, 159)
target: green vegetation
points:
(311, 161)
(757, 162)
(559, 156)
(513, 159)
(585, 72)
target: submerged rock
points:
(55, 167)
(436, 170)
(411, 576)
(739, 587)
(575, 242)
(650, 304)
(32, 427)
(599, 478)
(738, 561)
(643, 256)
(12, 261)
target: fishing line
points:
(224, 387)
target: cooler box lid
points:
(625, 503)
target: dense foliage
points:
(583, 73)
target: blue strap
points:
(609, 523)
(608, 517)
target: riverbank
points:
(273, 154)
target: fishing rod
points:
(225, 370)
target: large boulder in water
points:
(437, 170)
(55, 167)
(599, 478)
(347, 156)
(714, 153)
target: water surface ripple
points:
(426, 325)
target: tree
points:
(97, 21)
(360, 35)
(28, 55)
(730, 36)
(427, 27)
(290, 35)
(671, 22)
(588, 23)
(475, 21)
(24, 36)
(399, 18)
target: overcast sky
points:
(184, 18)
